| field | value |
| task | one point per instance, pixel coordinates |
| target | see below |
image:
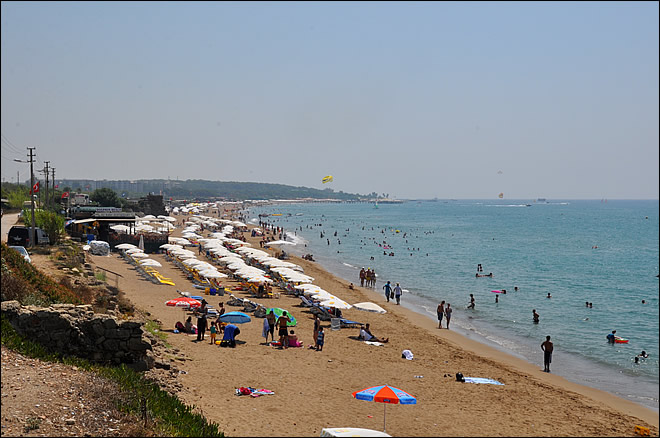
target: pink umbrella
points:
(183, 302)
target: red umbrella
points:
(184, 302)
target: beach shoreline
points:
(313, 389)
(493, 353)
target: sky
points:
(461, 100)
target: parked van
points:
(20, 236)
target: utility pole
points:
(53, 170)
(46, 163)
(32, 245)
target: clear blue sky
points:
(415, 100)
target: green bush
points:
(49, 221)
(45, 288)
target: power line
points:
(17, 150)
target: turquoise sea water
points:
(541, 248)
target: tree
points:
(49, 221)
(105, 197)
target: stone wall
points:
(78, 331)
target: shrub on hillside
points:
(44, 288)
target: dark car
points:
(20, 236)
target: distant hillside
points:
(206, 189)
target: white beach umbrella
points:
(126, 246)
(133, 250)
(148, 217)
(120, 228)
(368, 306)
(278, 242)
(336, 303)
(192, 262)
(321, 295)
(139, 255)
(150, 262)
(213, 274)
(180, 241)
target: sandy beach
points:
(313, 389)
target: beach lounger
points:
(345, 323)
(306, 301)
(323, 314)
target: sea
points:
(603, 252)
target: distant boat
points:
(541, 200)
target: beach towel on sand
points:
(378, 344)
(482, 380)
(253, 392)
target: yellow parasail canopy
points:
(501, 195)
(327, 179)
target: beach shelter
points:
(278, 312)
(387, 395)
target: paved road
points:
(8, 220)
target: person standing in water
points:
(448, 311)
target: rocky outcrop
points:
(78, 331)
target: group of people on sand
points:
(367, 277)
(289, 338)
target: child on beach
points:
(214, 330)
(320, 340)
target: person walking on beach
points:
(201, 321)
(441, 313)
(471, 305)
(448, 311)
(388, 290)
(535, 316)
(547, 348)
(362, 277)
(397, 293)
